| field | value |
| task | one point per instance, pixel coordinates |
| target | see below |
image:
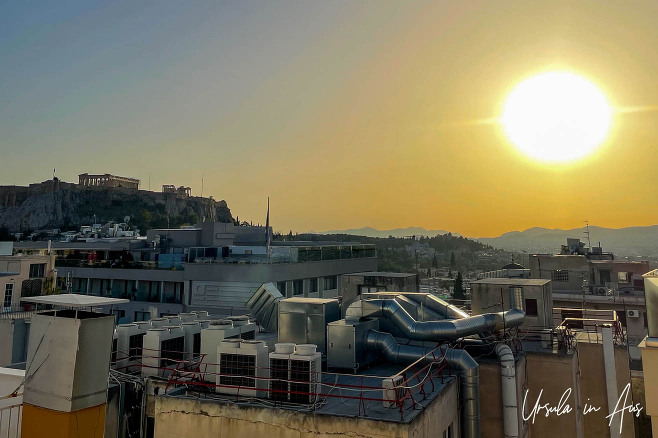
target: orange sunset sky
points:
(347, 114)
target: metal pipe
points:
(508, 387)
(466, 367)
(433, 330)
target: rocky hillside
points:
(67, 206)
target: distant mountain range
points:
(397, 232)
(630, 241)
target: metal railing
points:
(408, 388)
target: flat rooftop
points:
(382, 274)
(346, 395)
(74, 300)
(513, 281)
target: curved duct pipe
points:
(508, 386)
(432, 330)
(446, 309)
(467, 370)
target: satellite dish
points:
(126, 219)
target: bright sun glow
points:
(556, 116)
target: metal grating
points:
(302, 371)
(236, 370)
(279, 370)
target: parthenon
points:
(107, 180)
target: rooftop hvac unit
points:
(144, 325)
(280, 371)
(187, 317)
(346, 344)
(242, 367)
(205, 323)
(305, 369)
(633, 313)
(163, 347)
(211, 338)
(159, 322)
(304, 320)
(201, 314)
(192, 332)
(173, 320)
(246, 327)
(393, 391)
(129, 346)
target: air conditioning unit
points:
(393, 391)
(246, 327)
(280, 371)
(305, 374)
(192, 339)
(163, 348)
(633, 313)
(130, 339)
(242, 367)
(211, 337)
(600, 290)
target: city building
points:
(534, 296)
(649, 349)
(590, 279)
(211, 266)
(107, 180)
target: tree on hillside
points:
(435, 263)
(453, 262)
(458, 291)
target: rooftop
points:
(513, 281)
(74, 300)
(382, 274)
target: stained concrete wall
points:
(592, 386)
(176, 417)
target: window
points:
(530, 307)
(560, 276)
(281, 285)
(313, 285)
(142, 316)
(37, 270)
(298, 287)
(331, 282)
(622, 277)
(9, 293)
(196, 345)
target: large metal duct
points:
(433, 330)
(508, 385)
(466, 367)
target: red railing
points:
(408, 387)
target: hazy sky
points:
(346, 113)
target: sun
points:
(556, 116)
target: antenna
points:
(202, 186)
(589, 244)
(149, 182)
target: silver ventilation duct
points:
(508, 385)
(459, 360)
(432, 330)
